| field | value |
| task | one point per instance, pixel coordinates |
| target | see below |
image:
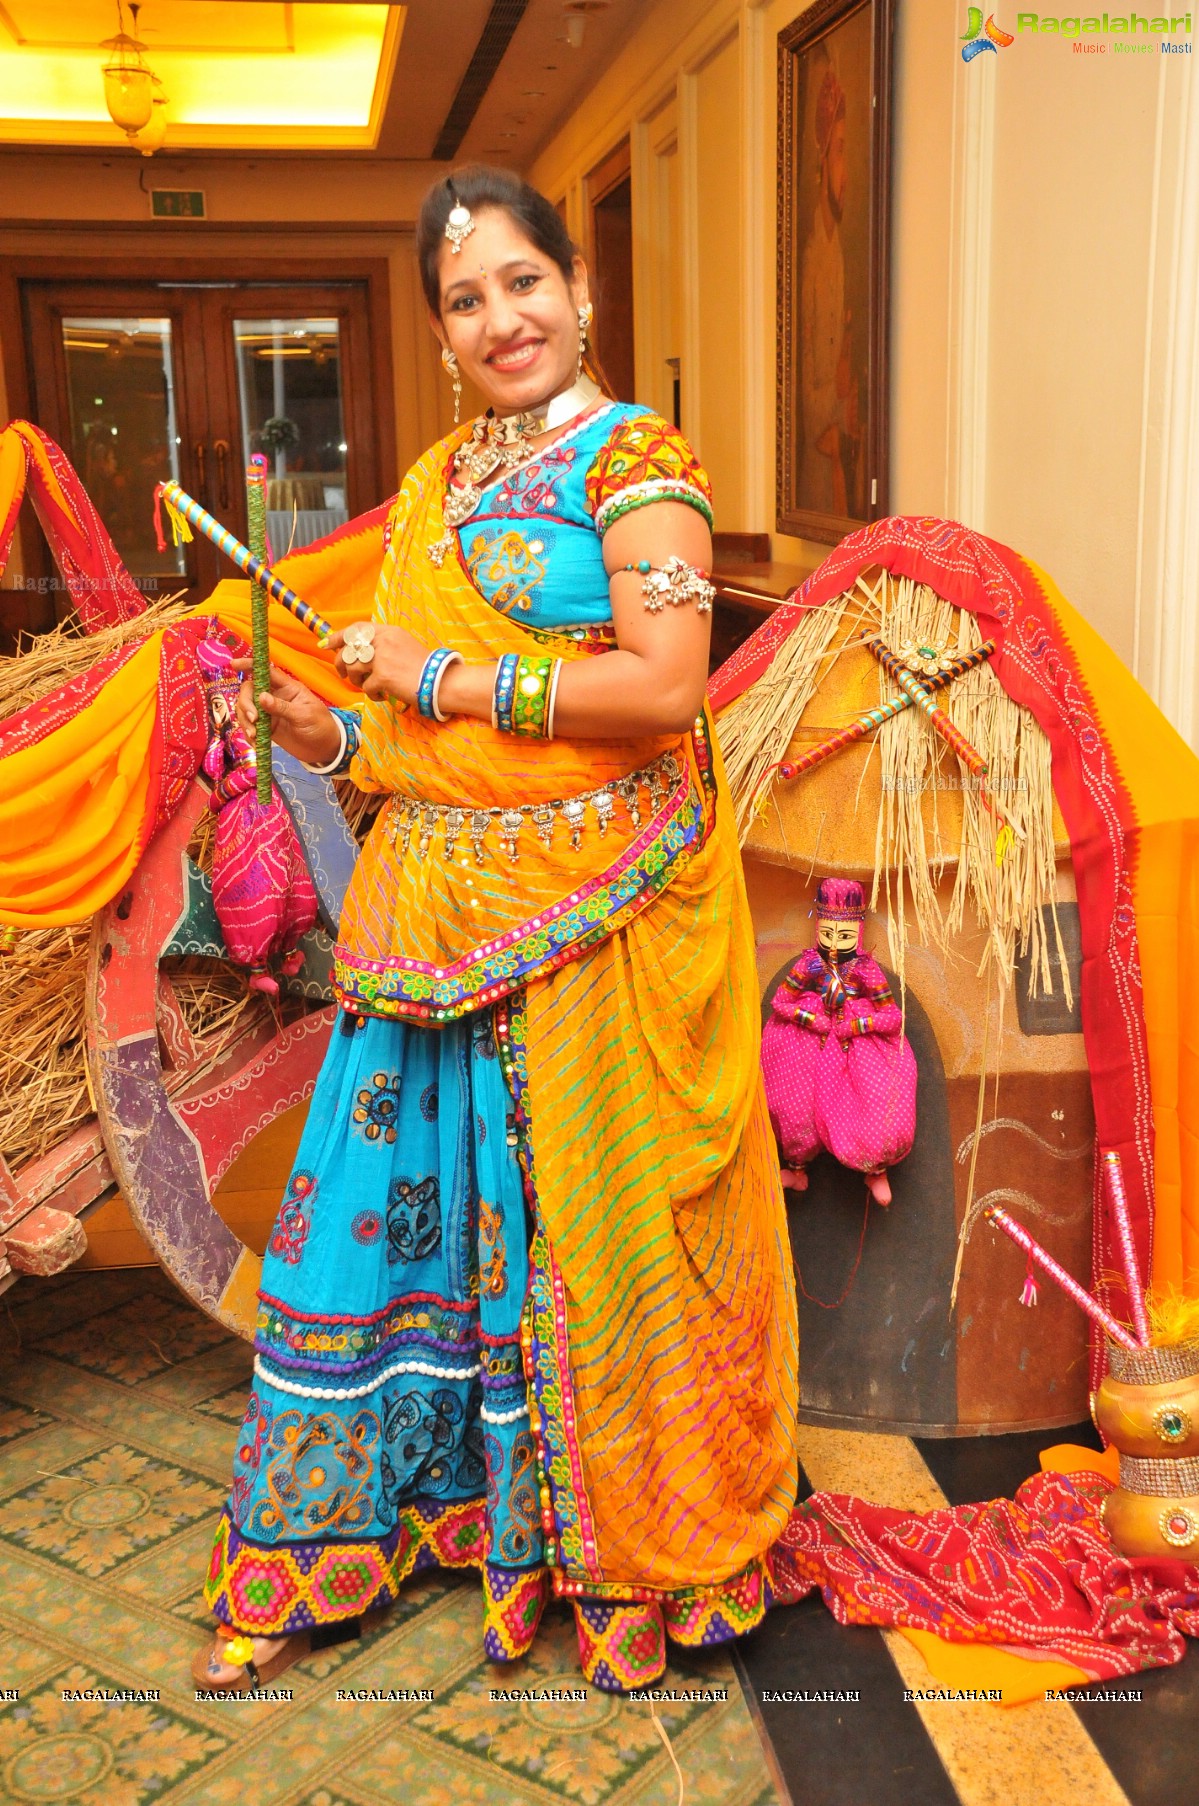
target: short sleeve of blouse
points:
(645, 460)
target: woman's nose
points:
(501, 318)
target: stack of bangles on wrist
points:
(526, 690)
(522, 700)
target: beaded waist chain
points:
(409, 815)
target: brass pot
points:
(1148, 1407)
(1159, 1524)
(1150, 1420)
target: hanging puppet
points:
(838, 1068)
(261, 886)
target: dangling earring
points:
(451, 363)
(585, 315)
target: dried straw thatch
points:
(43, 1090)
(46, 660)
(1006, 884)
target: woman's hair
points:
(478, 185)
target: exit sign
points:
(177, 203)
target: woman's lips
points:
(516, 357)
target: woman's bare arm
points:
(653, 683)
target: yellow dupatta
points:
(439, 921)
(662, 1317)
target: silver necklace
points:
(500, 444)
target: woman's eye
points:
(463, 302)
(524, 283)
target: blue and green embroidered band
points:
(503, 696)
(531, 702)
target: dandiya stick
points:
(1128, 1250)
(872, 718)
(187, 508)
(937, 718)
(260, 643)
(1070, 1286)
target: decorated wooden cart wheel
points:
(177, 1108)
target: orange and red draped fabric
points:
(1128, 789)
(89, 772)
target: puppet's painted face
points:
(838, 939)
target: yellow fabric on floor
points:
(981, 1666)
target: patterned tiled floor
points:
(119, 1404)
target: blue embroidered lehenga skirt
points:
(388, 1426)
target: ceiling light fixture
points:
(577, 14)
(152, 135)
(132, 92)
(128, 83)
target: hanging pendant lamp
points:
(128, 81)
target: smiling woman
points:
(544, 1324)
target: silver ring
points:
(358, 647)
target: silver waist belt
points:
(411, 815)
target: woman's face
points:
(509, 315)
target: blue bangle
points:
(430, 681)
(503, 696)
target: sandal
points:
(238, 1650)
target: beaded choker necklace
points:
(500, 444)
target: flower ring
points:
(358, 647)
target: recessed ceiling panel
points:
(263, 75)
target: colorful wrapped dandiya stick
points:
(1070, 1286)
(872, 718)
(936, 716)
(1128, 1252)
(260, 642)
(183, 507)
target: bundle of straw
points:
(45, 660)
(43, 1088)
(1006, 881)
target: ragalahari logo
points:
(980, 37)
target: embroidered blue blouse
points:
(534, 546)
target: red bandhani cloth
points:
(100, 587)
(1128, 790)
(1034, 1573)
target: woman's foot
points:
(879, 1187)
(794, 1178)
(234, 1661)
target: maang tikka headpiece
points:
(459, 225)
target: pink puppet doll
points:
(262, 889)
(838, 1069)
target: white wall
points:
(1045, 285)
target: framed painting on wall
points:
(834, 140)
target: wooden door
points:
(143, 381)
(610, 224)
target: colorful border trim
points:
(570, 1542)
(644, 495)
(269, 1591)
(417, 991)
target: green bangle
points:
(531, 699)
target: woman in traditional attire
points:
(528, 1305)
(839, 1072)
